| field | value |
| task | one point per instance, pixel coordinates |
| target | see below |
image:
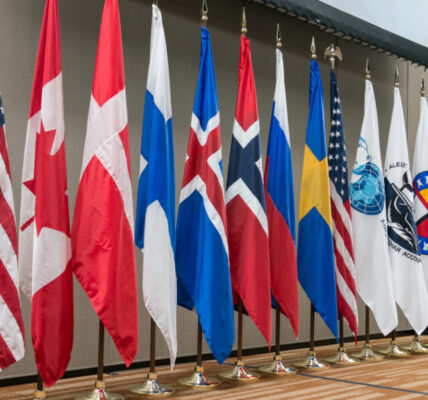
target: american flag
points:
(12, 345)
(341, 213)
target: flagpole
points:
(99, 391)
(39, 393)
(151, 386)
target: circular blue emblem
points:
(367, 193)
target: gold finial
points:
(368, 76)
(204, 12)
(423, 87)
(278, 37)
(333, 52)
(313, 49)
(244, 22)
(397, 78)
(155, 2)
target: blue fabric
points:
(157, 181)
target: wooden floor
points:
(388, 379)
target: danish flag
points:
(44, 245)
(103, 245)
(245, 203)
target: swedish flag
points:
(315, 254)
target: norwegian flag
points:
(44, 239)
(12, 346)
(103, 245)
(341, 214)
(245, 203)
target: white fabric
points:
(420, 164)
(159, 276)
(409, 284)
(201, 134)
(245, 137)
(373, 269)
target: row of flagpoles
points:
(231, 246)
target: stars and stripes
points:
(12, 346)
(341, 214)
(245, 203)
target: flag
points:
(245, 203)
(155, 222)
(372, 264)
(12, 339)
(315, 257)
(420, 184)
(341, 213)
(202, 248)
(407, 274)
(44, 239)
(280, 205)
(103, 246)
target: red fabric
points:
(283, 265)
(3, 149)
(6, 357)
(104, 258)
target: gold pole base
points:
(367, 354)
(311, 363)
(151, 387)
(277, 368)
(416, 347)
(239, 374)
(39, 395)
(100, 393)
(394, 351)
(342, 358)
(198, 380)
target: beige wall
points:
(20, 22)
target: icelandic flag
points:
(420, 184)
(155, 221)
(406, 264)
(367, 192)
(315, 256)
(202, 255)
(280, 205)
(246, 206)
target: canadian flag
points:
(103, 244)
(44, 246)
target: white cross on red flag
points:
(44, 246)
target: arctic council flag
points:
(407, 274)
(280, 205)
(245, 203)
(155, 222)
(315, 257)
(103, 246)
(202, 248)
(420, 184)
(341, 213)
(44, 240)
(12, 339)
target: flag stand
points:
(342, 358)
(311, 361)
(39, 393)
(367, 353)
(239, 373)
(393, 350)
(277, 367)
(151, 386)
(416, 347)
(99, 392)
(198, 380)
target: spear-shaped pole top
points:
(368, 76)
(278, 37)
(313, 48)
(204, 12)
(423, 87)
(244, 22)
(397, 78)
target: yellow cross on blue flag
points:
(315, 255)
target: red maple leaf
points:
(49, 184)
